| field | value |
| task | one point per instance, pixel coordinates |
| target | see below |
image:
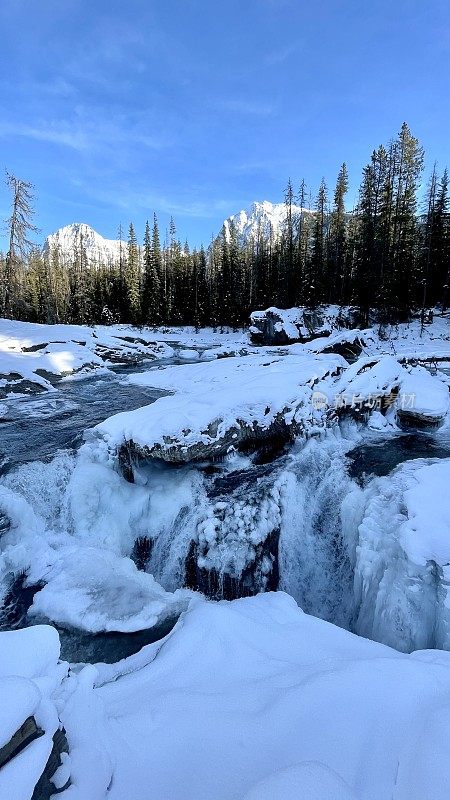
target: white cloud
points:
(53, 132)
(88, 132)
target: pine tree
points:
(338, 233)
(428, 277)
(151, 287)
(407, 157)
(302, 246)
(288, 288)
(441, 243)
(314, 291)
(132, 277)
(369, 279)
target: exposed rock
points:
(277, 327)
(17, 601)
(211, 443)
(26, 734)
(408, 418)
(23, 737)
(142, 551)
(5, 522)
(235, 553)
(45, 788)
(13, 382)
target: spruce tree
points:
(314, 291)
(408, 159)
(441, 243)
(151, 287)
(338, 232)
(288, 287)
(302, 246)
(132, 277)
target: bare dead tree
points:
(19, 228)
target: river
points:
(36, 428)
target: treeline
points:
(391, 253)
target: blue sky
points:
(195, 108)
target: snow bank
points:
(30, 653)
(254, 699)
(19, 699)
(309, 779)
(331, 325)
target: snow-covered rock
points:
(278, 326)
(70, 240)
(424, 399)
(96, 591)
(370, 384)
(220, 404)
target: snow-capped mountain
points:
(71, 238)
(261, 219)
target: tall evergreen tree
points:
(315, 288)
(288, 277)
(302, 245)
(337, 243)
(151, 287)
(132, 277)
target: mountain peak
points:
(263, 218)
(69, 239)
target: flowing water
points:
(36, 427)
(294, 497)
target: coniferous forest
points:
(390, 253)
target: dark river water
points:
(36, 426)
(381, 455)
